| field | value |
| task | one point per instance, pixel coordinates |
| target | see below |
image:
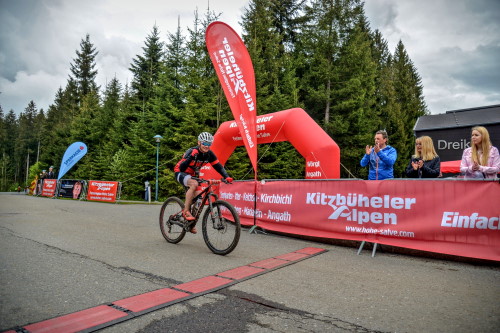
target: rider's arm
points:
(220, 169)
(188, 157)
(214, 162)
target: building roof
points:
(460, 118)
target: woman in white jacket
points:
(481, 160)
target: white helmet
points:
(205, 137)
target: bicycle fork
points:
(216, 217)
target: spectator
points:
(380, 157)
(481, 160)
(40, 182)
(51, 174)
(425, 163)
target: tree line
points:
(319, 55)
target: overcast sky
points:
(454, 44)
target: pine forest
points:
(318, 55)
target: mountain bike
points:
(220, 222)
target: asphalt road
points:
(63, 256)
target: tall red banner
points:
(234, 69)
(442, 216)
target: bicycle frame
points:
(205, 196)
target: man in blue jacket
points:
(381, 158)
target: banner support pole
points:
(363, 244)
(254, 229)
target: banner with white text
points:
(241, 195)
(234, 69)
(102, 190)
(72, 155)
(49, 187)
(443, 216)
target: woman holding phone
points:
(425, 163)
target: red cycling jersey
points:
(193, 160)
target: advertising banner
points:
(242, 196)
(49, 187)
(234, 69)
(102, 191)
(71, 188)
(442, 216)
(72, 155)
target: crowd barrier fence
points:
(90, 190)
(457, 217)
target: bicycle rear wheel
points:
(171, 223)
(221, 227)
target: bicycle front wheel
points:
(221, 227)
(171, 224)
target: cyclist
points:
(189, 166)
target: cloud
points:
(458, 79)
(42, 36)
(455, 46)
(383, 15)
(41, 86)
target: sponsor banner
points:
(71, 188)
(102, 190)
(444, 216)
(49, 187)
(72, 155)
(241, 195)
(234, 69)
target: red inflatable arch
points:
(321, 153)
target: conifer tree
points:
(135, 163)
(353, 103)
(173, 75)
(57, 127)
(68, 119)
(287, 20)
(102, 124)
(82, 129)
(146, 69)
(26, 143)
(83, 68)
(383, 80)
(408, 92)
(8, 134)
(269, 31)
(3, 133)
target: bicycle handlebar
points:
(210, 181)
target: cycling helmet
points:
(205, 137)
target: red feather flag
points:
(234, 68)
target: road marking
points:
(101, 316)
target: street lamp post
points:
(157, 138)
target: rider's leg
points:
(192, 185)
